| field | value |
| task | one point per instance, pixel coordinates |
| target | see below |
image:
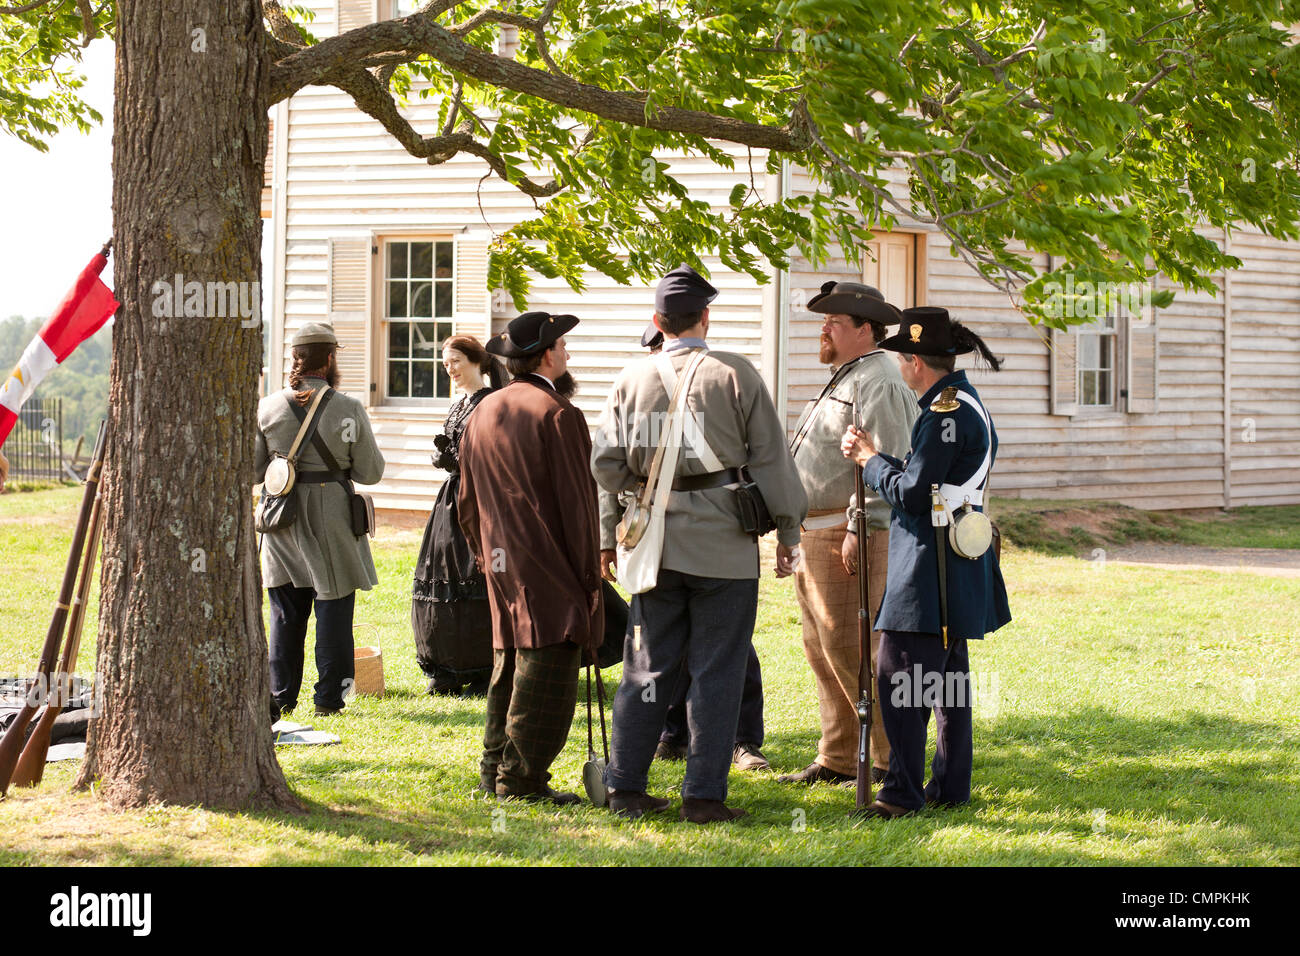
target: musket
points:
(866, 673)
(31, 765)
(11, 744)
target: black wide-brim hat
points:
(530, 334)
(856, 299)
(925, 330)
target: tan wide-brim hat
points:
(854, 298)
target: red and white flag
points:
(83, 311)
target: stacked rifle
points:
(23, 765)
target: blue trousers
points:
(290, 609)
(914, 675)
(703, 629)
(749, 727)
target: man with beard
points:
(528, 509)
(864, 389)
(698, 619)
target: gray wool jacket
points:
(702, 533)
(319, 551)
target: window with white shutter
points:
(1109, 363)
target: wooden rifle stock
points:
(31, 765)
(11, 744)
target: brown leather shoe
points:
(710, 811)
(669, 751)
(632, 804)
(749, 757)
(816, 773)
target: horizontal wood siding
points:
(1264, 423)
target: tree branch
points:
(375, 101)
(416, 35)
(24, 7)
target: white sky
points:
(56, 207)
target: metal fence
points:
(35, 446)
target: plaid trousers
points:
(828, 604)
(530, 705)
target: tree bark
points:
(182, 652)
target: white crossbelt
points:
(692, 434)
(971, 490)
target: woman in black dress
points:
(449, 606)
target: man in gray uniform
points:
(866, 389)
(317, 563)
(700, 614)
(675, 741)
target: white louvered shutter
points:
(348, 305)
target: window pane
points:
(398, 380)
(397, 259)
(399, 336)
(1087, 388)
(1103, 388)
(1089, 348)
(444, 261)
(422, 260)
(397, 300)
(1106, 345)
(422, 377)
(442, 302)
(421, 304)
(425, 341)
(444, 383)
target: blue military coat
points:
(977, 598)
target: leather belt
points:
(321, 477)
(714, 479)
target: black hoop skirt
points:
(449, 606)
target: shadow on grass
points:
(1190, 788)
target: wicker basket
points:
(369, 671)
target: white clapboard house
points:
(1195, 406)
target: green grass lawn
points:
(1076, 527)
(1132, 716)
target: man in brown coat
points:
(528, 508)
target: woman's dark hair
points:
(473, 350)
(964, 339)
(312, 360)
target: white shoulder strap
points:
(673, 439)
(692, 434)
(971, 490)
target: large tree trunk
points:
(182, 653)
